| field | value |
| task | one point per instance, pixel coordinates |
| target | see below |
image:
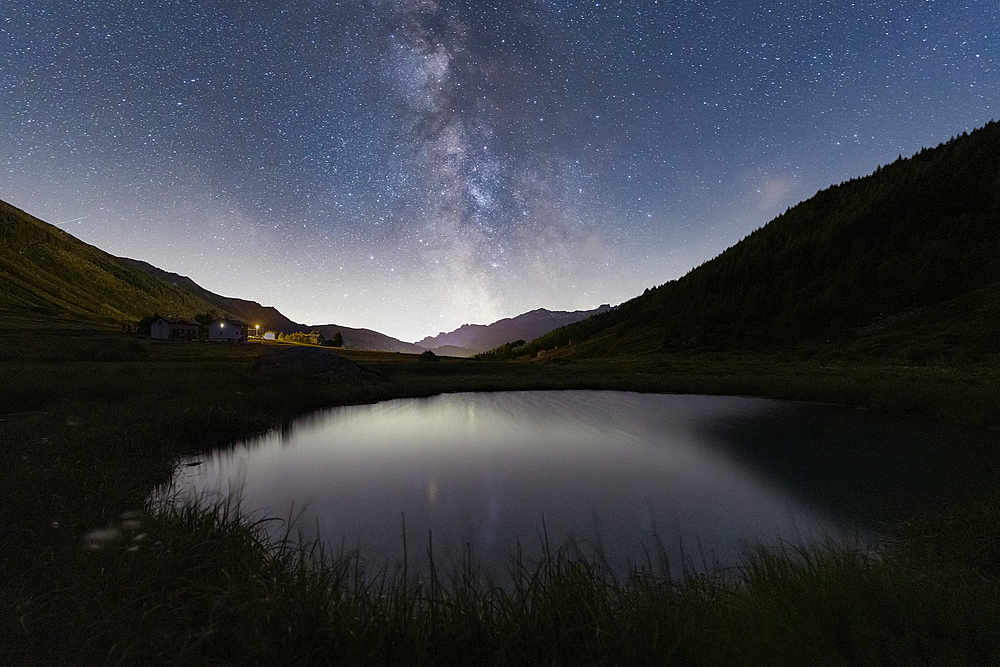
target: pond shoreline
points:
(617, 473)
(95, 420)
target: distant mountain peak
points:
(526, 326)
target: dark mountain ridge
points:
(891, 251)
(527, 326)
(366, 339)
(250, 312)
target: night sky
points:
(412, 165)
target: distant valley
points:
(902, 263)
(467, 340)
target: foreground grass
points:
(92, 422)
(203, 586)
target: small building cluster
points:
(222, 329)
(228, 330)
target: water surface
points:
(630, 478)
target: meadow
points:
(92, 421)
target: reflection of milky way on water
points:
(613, 471)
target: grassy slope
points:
(912, 249)
(48, 272)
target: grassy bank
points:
(93, 420)
(203, 587)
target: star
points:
(494, 157)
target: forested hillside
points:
(915, 245)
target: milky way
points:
(412, 165)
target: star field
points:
(412, 165)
